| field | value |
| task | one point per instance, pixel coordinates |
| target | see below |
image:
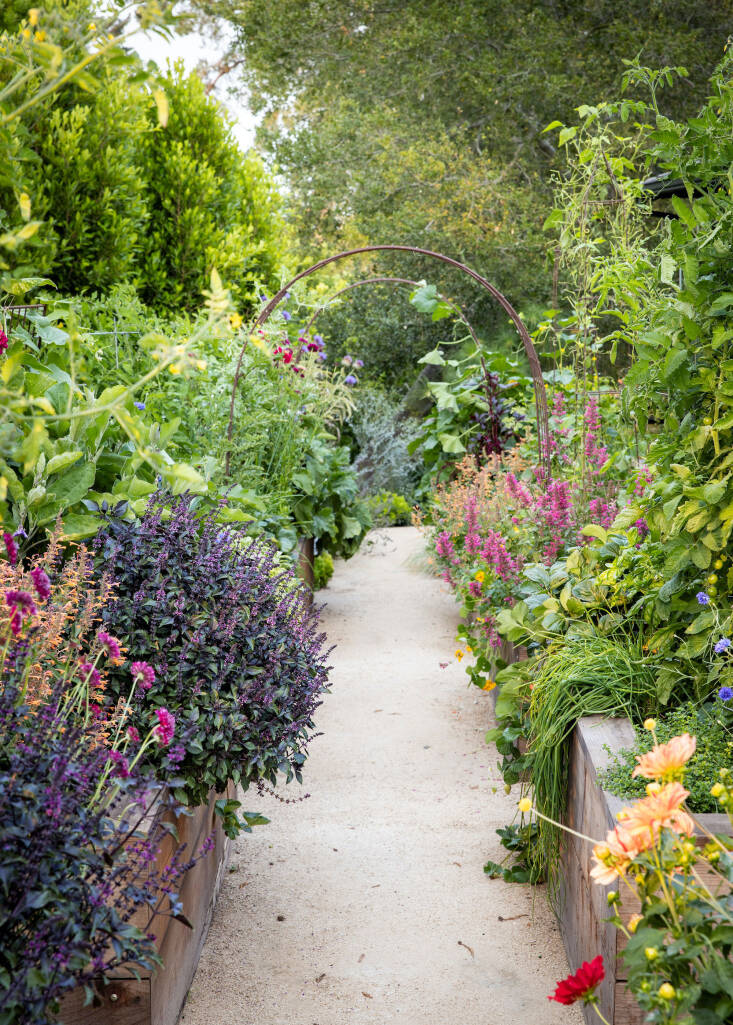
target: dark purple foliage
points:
(71, 876)
(232, 638)
(494, 433)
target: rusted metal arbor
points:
(381, 280)
(531, 353)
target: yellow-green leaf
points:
(161, 102)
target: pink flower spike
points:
(90, 675)
(21, 603)
(41, 583)
(166, 727)
(11, 548)
(110, 644)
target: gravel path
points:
(367, 903)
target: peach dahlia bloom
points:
(665, 761)
(614, 856)
(657, 811)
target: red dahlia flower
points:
(582, 985)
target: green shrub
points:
(326, 504)
(322, 570)
(389, 510)
(382, 433)
(714, 752)
(210, 205)
(90, 186)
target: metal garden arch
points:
(531, 353)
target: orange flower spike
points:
(666, 762)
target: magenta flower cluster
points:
(596, 453)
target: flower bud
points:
(667, 991)
(651, 953)
(633, 923)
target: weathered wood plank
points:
(117, 1001)
(627, 1011)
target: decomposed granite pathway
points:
(367, 902)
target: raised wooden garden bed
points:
(157, 998)
(583, 904)
(306, 556)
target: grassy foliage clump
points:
(593, 676)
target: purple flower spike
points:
(11, 548)
(41, 583)
(110, 644)
(3, 341)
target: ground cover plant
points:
(713, 752)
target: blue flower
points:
(702, 598)
(722, 645)
(286, 315)
(350, 379)
(725, 693)
(263, 299)
(139, 405)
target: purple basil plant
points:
(76, 871)
(232, 639)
